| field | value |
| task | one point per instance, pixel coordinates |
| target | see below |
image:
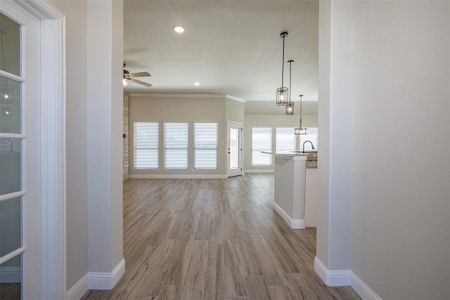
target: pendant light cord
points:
(282, 65)
(290, 81)
(301, 110)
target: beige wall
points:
(126, 132)
(273, 121)
(184, 108)
(77, 225)
(385, 94)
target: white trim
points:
(106, 281)
(177, 176)
(10, 274)
(234, 98)
(10, 255)
(332, 277)
(42, 9)
(344, 278)
(11, 196)
(256, 171)
(174, 95)
(11, 136)
(11, 76)
(53, 156)
(53, 145)
(293, 223)
(362, 289)
(77, 291)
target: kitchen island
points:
(290, 187)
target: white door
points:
(235, 149)
(20, 202)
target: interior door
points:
(235, 149)
(20, 205)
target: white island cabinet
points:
(290, 186)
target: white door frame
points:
(241, 154)
(53, 146)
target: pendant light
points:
(290, 104)
(282, 92)
(300, 130)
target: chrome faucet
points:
(303, 146)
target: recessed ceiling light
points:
(178, 29)
(196, 83)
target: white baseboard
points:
(344, 278)
(105, 281)
(10, 274)
(362, 289)
(177, 176)
(293, 223)
(332, 277)
(77, 291)
(259, 171)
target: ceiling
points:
(229, 47)
(268, 107)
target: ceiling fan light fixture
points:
(178, 29)
(124, 82)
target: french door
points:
(20, 205)
(235, 149)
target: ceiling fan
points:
(132, 77)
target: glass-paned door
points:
(12, 140)
(234, 149)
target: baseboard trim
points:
(362, 289)
(332, 277)
(293, 223)
(106, 281)
(10, 274)
(77, 291)
(259, 171)
(177, 176)
(344, 278)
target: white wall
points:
(184, 108)
(85, 70)
(384, 145)
(77, 225)
(273, 121)
(104, 135)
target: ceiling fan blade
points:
(140, 74)
(141, 82)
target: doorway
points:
(32, 151)
(235, 145)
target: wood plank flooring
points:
(214, 239)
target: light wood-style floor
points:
(214, 239)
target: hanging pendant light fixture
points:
(290, 104)
(300, 130)
(282, 92)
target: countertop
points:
(310, 157)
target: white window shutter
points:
(146, 143)
(205, 144)
(176, 143)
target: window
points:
(205, 145)
(286, 139)
(261, 141)
(176, 145)
(311, 136)
(146, 142)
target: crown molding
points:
(174, 95)
(234, 98)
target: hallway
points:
(213, 239)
